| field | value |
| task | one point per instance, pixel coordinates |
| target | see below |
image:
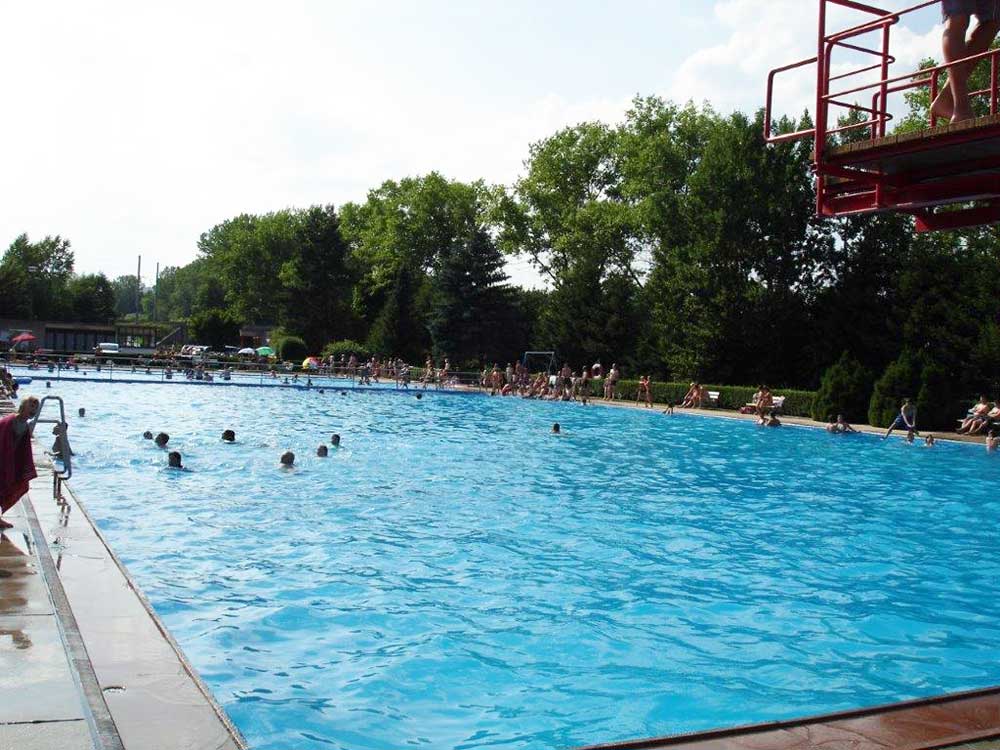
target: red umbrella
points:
(22, 337)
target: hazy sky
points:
(134, 126)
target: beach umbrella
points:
(247, 350)
(311, 363)
(265, 351)
(22, 337)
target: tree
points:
(846, 388)
(92, 298)
(127, 294)
(316, 280)
(396, 331)
(215, 328)
(36, 274)
(901, 380)
(470, 300)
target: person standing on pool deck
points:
(17, 465)
(952, 103)
(907, 419)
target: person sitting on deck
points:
(976, 414)
(952, 103)
(980, 422)
(906, 420)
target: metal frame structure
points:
(955, 167)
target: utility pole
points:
(138, 288)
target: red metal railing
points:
(886, 86)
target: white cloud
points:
(755, 37)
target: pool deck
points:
(84, 662)
(964, 720)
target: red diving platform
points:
(946, 176)
(963, 720)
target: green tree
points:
(397, 331)
(846, 388)
(215, 328)
(92, 298)
(900, 380)
(36, 275)
(470, 300)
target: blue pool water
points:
(456, 577)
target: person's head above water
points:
(287, 458)
(228, 436)
(82, 412)
(147, 435)
(335, 439)
(322, 451)
(419, 396)
(555, 428)
(161, 439)
(174, 460)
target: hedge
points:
(797, 403)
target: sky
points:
(132, 127)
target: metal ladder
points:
(62, 447)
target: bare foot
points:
(961, 114)
(942, 108)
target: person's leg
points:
(956, 47)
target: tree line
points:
(675, 243)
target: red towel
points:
(17, 466)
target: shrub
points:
(937, 406)
(347, 348)
(291, 349)
(900, 380)
(846, 388)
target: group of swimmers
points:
(174, 458)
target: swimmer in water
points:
(288, 459)
(992, 442)
(147, 435)
(929, 441)
(228, 436)
(322, 451)
(174, 460)
(161, 440)
(419, 396)
(335, 440)
(82, 412)
(556, 429)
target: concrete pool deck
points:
(84, 662)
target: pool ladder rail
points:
(61, 450)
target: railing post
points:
(885, 75)
(934, 93)
(993, 83)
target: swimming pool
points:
(455, 576)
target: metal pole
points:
(156, 285)
(138, 288)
